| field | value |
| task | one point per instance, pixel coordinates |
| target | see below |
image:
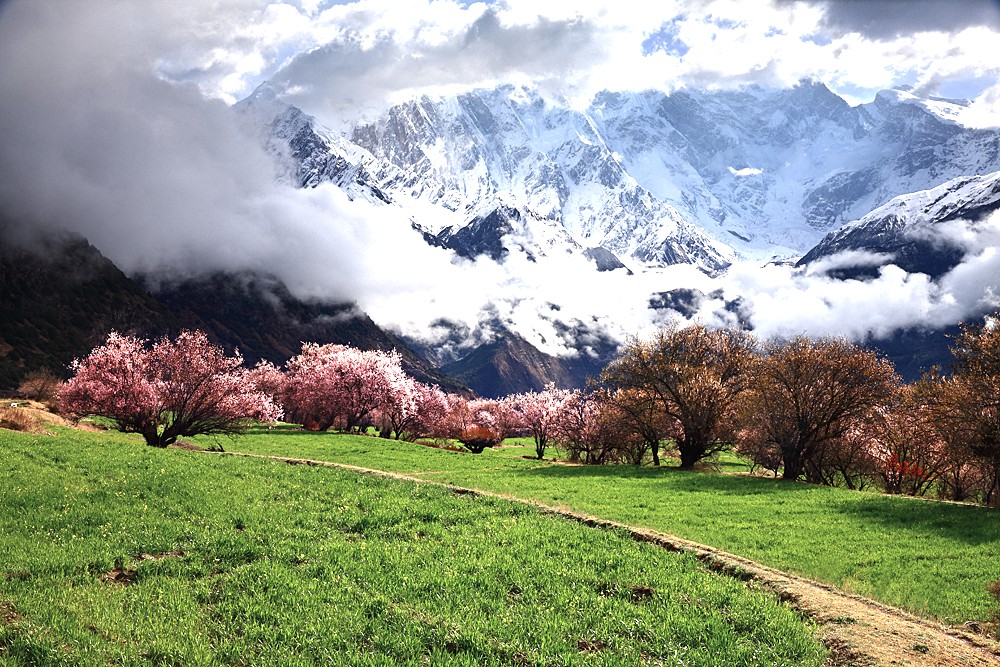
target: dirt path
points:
(857, 631)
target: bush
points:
(41, 385)
(477, 439)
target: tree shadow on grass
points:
(290, 429)
(676, 479)
(967, 524)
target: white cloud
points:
(984, 110)
(745, 171)
(370, 51)
(785, 301)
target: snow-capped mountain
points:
(776, 170)
(692, 177)
(551, 162)
(307, 153)
(640, 181)
(912, 231)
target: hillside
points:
(509, 364)
(60, 297)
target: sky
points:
(115, 123)
(334, 59)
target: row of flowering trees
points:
(826, 411)
(183, 387)
(167, 390)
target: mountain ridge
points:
(642, 180)
(690, 177)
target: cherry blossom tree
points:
(479, 423)
(432, 409)
(339, 385)
(175, 388)
(412, 410)
(539, 412)
(269, 379)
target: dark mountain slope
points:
(264, 320)
(509, 364)
(59, 297)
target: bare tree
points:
(910, 454)
(694, 376)
(41, 385)
(809, 393)
(639, 412)
(966, 405)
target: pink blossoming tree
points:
(540, 412)
(175, 388)
(342, 386)
(413, 410)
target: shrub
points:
(478, 438)
(41, 385)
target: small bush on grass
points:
(478, 438)
(41, 386)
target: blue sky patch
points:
(666, 39)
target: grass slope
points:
(115, 553)
(933, 559)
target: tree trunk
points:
(655, 447)
(791, 467)
(153, 438)
(691, 452)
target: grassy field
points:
(933, 559)
(115, 553)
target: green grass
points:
(263, 563)
(933, 559)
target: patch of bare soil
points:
(184, 444)
(125, 576)
(8, 614)
(857, 632)
(119, 575)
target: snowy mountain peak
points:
(912, 231)
(947, 110)
(691, 177)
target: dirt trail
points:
(857, 631)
